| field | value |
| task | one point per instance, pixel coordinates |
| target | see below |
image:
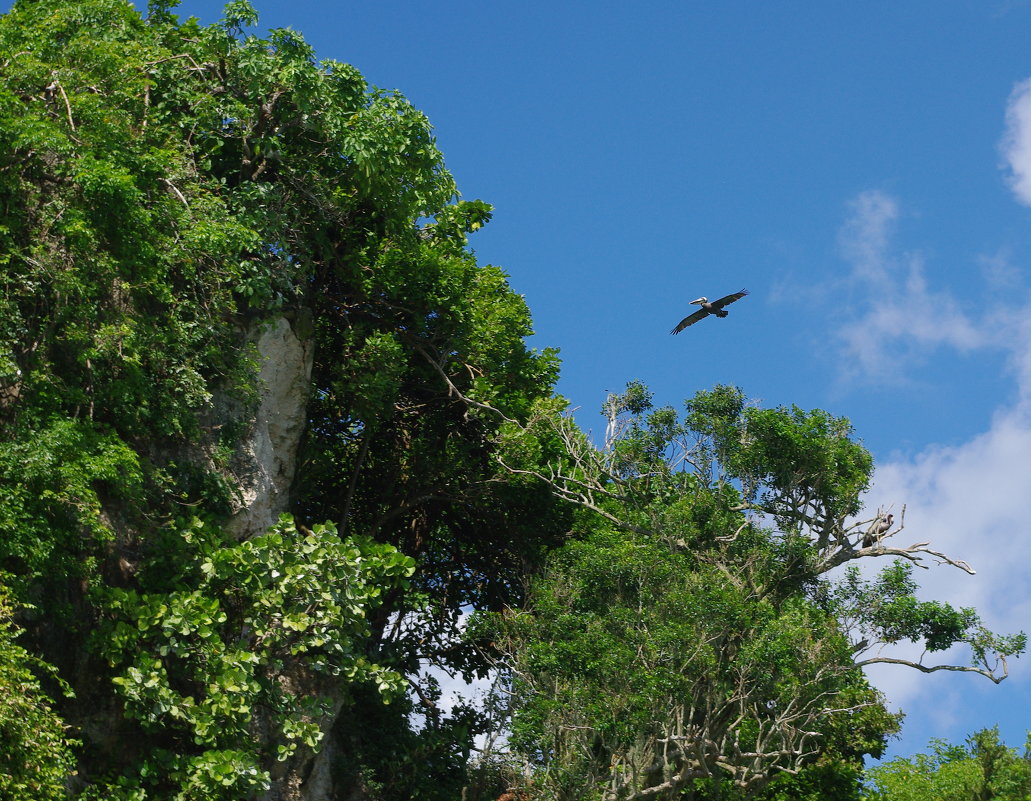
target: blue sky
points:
(864, 169)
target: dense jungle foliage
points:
(656, 612)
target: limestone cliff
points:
(265, 461)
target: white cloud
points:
(973, 501)
(1017, 323)
(866, 235)
(1016, 142)
(897, 317)
(999, 271)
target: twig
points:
(176, 191)
(67, 105)
(7, 63)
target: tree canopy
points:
(701, 635)
(666, 614)
(167, 191)
(982, 769)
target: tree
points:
(704, 596)
(641, 668)
(35, 750)
(206, 667)
(168, 193)
(984, 769)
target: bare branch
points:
(7, 63)
(988, 673)
(176, 192)
(456, 392)
(844, 550)
(55, 85)
(563, 487)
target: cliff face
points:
(263, 468)
(265, 461)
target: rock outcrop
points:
(265, 461)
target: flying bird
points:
(716, 307)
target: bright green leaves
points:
(454, 222)
(50, 497)
(239, 14)
(161, 188)
(202, 662)
(715, 418)
(888, 605)
(389, 142)
(801, 467)
(696, 644)
(629, 647)
(165, 188)
(983, 769)
(804, 467)
(310, 593)
(117, 216)
(886, 610)
(35, 752)
(781, 457)
(115, 301)
(509, 375)
(638, 437)
(220, 774)
(331, 153)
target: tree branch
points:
(889, 660)
(455, 391)
(176, 192)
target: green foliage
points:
(101, 252)
(425, 761)
(805, 471)
(405, 424)
(630, 647)
(35, 751)
(983, 769)
(809, 465)
(885, 609)
(426, 359)
(165, 187)
(197, 665)
(50, 495)
(451, 224)
(801, 467)
(678, 645)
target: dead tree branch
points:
(986, 672)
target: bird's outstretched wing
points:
(691, 319)
(728, 299)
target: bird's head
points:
(700, 301)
